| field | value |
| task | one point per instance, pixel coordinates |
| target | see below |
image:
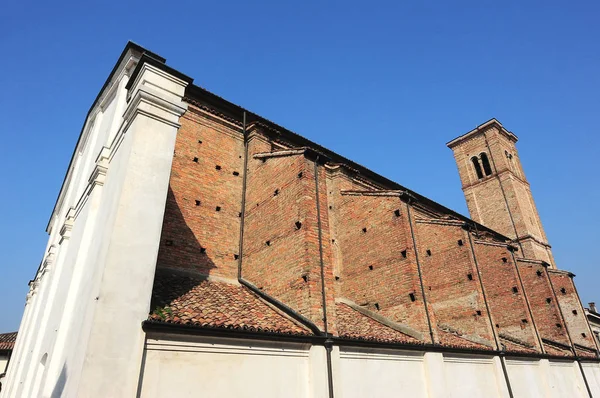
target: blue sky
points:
(383, 83)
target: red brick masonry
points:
(395, 267)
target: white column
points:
(318, 384)
(434, 375)
(146, 145)
(502, 384)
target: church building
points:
(199, 249)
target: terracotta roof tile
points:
(7, 340)
(453, 340)
(186, 300)
(354, 325)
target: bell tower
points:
(497, 193)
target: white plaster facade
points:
(103, 244)
(81, 333)
(185, 367)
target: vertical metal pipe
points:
(243, 209)
(487, 307)
(328, 342)
(537, 333)
(412, 233)
(568, 333)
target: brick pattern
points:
(543, 304)
(504, 293)
(374, 239)
(195, 236)
(572, 310)
(367, 253)
(487, 199)
(452, 286)
(281, 241)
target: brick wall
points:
(281, 236)
(195, 236)
(375, 247)
(505, 296)
(450, 278)
(543, 304)
(366, 244)
(572, 311)
(490, 197)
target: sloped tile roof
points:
(186, 300)
(453, 340)
(354, 325)
(7, 340)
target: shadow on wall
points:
(60, 383)
(183, 260)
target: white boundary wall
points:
(188, 367)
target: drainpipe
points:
(487, 308)
(546, 265)
(407, 198)
(512, 249)
(328, 341)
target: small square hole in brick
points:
(298, 225)
(268, 243)
(460, 242)
(524, 321)
(276, 192)
(236, 173)
(218, 167)
(364, 230)
(478, 312)
(196, 160)
(470, 277)
(202, 250)
(538, 272)
(397, 212)
(504, 259)
(199, 141)
(305, 278)
(240, 214)
(197, 203)
(403, 253)
(236, 256)
(337, 278)
(300, 175)
(428, 252)
(377, 306)
(218, 208)
(330, 207)
(332, 240)
(497, 326)
(548, 300)
(558, 325)
(371, 267)
(412, 297)
(515, 290)
(583, 335)
(574, 312)
(563, 290)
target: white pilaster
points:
(144, 151)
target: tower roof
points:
(493, 122)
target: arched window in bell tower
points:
(486, 164)
(477, 167)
